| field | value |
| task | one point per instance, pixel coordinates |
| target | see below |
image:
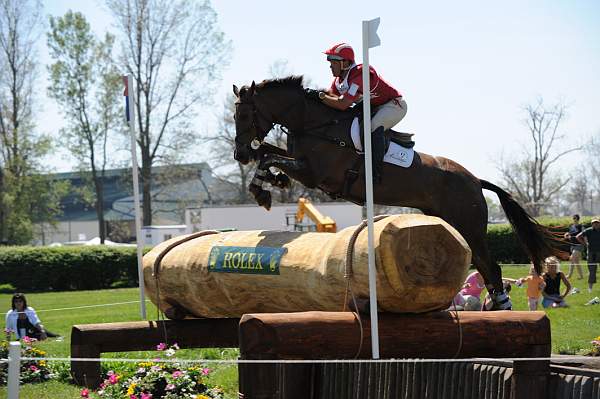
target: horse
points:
(319, 155)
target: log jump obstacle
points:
(334, 335)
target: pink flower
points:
(27, 340)
(170, 387)
(177, 373)
(85, 393)
(205, 371)
(161, 347)
(33, 368)
(133, 396)
(145, 395)
(113, 379)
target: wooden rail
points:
(91, 340)
(336, 335)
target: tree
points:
(22, 188)
(580, 190)
(86, 84)
(531, 178)
(174, 50)
(233, 175)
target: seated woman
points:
(468, 298)
(23, 321)
(552, 279)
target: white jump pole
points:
(370, 39)
(14, 369)
(136, 190)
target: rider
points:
(347, 89)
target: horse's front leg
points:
(295, 168)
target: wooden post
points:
(91, 340)
(530, 379)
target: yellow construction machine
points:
(323, 223)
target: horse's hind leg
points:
(472, 225)
(491, 273)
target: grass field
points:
(572, 328)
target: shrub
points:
(68, 268)
(506, 248)
(7, 288)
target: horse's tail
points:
(538, 241)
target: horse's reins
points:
(257, 113)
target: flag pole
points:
(370, 39)
(130, 111)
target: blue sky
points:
(466, 68)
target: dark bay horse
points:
(320, 154)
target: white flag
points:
(374, 40)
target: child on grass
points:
(535, 285)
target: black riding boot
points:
(378, 141)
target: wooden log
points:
(336, 335)
(417, 257)
(329, 335)
(91, 340)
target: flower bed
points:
(32, 371)
(153, 380)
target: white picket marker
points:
(14, 369)
(130, 110)
(370, 39)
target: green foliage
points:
(505, 248)
(67, 268)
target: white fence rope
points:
(296, 361)
(87, 306)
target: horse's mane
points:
(292, 82)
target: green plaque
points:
(245, 260)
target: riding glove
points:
(312, 94)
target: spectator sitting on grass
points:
(23, 321)
(552, 278)
(468, 297)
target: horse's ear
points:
(236, 91)
(251, 90)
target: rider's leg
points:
(388, 115)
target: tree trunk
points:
(98, 184)
(146, 191)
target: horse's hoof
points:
(264, 199)
(282, 181)
(498, 302)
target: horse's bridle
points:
(257, 115)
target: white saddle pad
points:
(396, 154)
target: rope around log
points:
(348, 272)
(156, 268)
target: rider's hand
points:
(312, 94)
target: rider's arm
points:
(337, 102)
